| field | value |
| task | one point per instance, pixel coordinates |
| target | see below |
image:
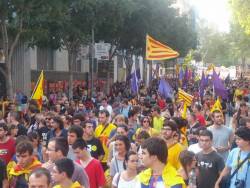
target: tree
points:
(16, 20)
(140, 17)
(22, 21)
(241, 13)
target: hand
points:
(216, 185)
(221, 149)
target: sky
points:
(216, 12)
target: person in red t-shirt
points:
(91, 165)
(161, 102)
(7, 144)
(199, 116)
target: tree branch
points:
(5, 38)
(12, 48)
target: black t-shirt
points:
(3, 174)
(43, 134)
(21, 130)
(95, 147)
(209, 165)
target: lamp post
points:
(92, 61)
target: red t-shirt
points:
(161, 103)
(7, 150)
(201, 119)
(95, 173)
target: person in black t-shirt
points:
(3, 174)
(94, 145)
(13, 119)
(210, 163)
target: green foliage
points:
(140, 17)
(241, 13)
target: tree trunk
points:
(8, 52)
(108, 77)
(70, 62)
(9, 83)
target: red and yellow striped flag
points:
(38, 91)
(158, 51)
(183, 96)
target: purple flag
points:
(181, 74)
(186, 74)
(134, 83)
(202, 84)
(165, 89)
(185, 79)
(138, 74)
(219, 87)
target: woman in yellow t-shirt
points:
(146, 125)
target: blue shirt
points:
(232, 162)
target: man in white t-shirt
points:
(106, 106)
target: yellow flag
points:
(217, 106)
(184, 96)
(184, 112)
(158, 51)
(38, 91)
(210, 67)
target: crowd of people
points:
(128, 141)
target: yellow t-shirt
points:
(151, 132)
(103, 134)
(173, 155)
(158, 123)
(74, 185)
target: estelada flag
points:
(158, 51)
(184, 96)
(217, 106)
(38, 91)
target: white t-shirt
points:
(159, 184)
(123, 183)
(195, 148)
(108, 108)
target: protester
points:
(26, 162)
(237, 156)
(62, 174)
(91, 165)
(78, 130)
(37, 147)
(169, 133)
(146, 126)
(222, 136)
(39, 178)
(188, 164)
(13, 118)
(57, 128)
(94, 144)
(57, 149)
(102, 132)
(74, 132)
(3, 175)
(158, 120)
(159, 173)
(127, 178)
(122, 146)
(7, 144)
(210, 163)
